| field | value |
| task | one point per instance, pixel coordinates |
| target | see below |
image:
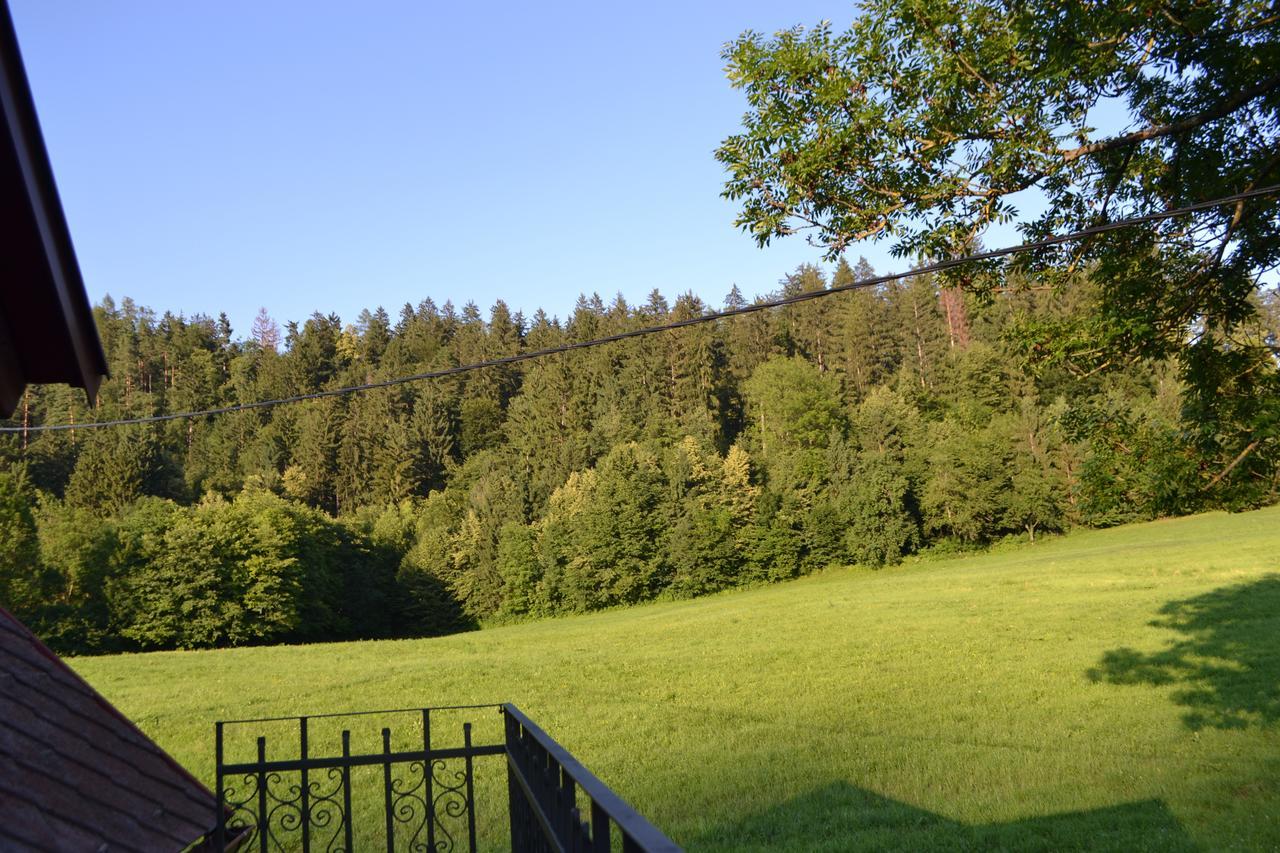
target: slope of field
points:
(1114, 689)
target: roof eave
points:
(62, 270)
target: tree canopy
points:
(927, 121)
(861, 427)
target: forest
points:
(857, 428)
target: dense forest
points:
(853, 429)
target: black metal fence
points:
(413, 793)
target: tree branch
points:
(1223, 109)
(1234, 462)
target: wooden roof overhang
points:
(47, 333)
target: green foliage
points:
(76, 552)
(926, 121)
(1038, 493)
(480, 422)
(618, 535)
(793, 405)
(882, 528)
(254, 569)
(518, 565)
(704, 553)
(968, 483)
(218, 574)
(426, 574)
(1135, 468)
(1033, 501)
(113, 469)
(854, 429)
(20, 574)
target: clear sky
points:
(333, 156)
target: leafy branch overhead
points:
(929, 120)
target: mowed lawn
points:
(1115, 689)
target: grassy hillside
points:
(1116, 689)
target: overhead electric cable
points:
(666, 327)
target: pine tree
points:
(865, 345)
(21, 587)
(312, 475)
(807, 326)
(921, 340)
(314, 356)
(265, 332)
(696, 386)
(115, 468)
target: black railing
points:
(543, 782)
(425, 793)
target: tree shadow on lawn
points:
(1226, 657)
(842, 816)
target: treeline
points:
(857, 428)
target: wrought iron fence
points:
(420, 797)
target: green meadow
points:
(1115, 689)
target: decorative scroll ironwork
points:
(305, 802)
(246, 795)
(409, 805)
(428, 796)
(328, 814)
(449, 800)
(239, 815)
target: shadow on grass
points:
(841, 816)
(1225, 657)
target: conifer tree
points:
(20, 575)
(865, 348)
(921, 341)
(113, 470)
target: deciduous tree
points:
(926, 121)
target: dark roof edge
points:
(37, 174)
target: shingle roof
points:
(75, 774)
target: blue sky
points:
(335, 156)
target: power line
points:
(666, 327)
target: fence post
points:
(545, 784)
(427, 772)
(600, 829)
(515, 798)
(346, 788)
(220, 828)
(568, 800)
(471, 791)
(264, 821)
(386, 790)
(305, 793)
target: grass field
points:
(1115, 689)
